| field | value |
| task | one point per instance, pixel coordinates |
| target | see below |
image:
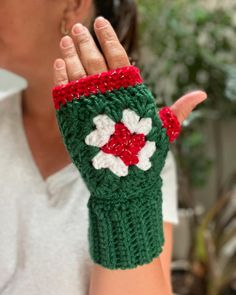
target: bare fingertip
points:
(204, 95)
(66, 42)
(77, 29)
(100, 22)
(200, 94)
(59, 64)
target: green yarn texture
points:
(125, 213)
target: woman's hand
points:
(82, 58)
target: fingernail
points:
(101, 22)
(59, 64)
(200, 93)
(77, 29)
(66, 42)
(204, 94)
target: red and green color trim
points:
(100, 83)
(110, 81)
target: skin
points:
(29, 37)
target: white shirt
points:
(44, 223)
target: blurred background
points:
(189, 44)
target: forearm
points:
(166, 254)
(148, 279)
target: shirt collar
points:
(10, 84)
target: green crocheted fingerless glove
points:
(114, 136)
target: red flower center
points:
(125, 145)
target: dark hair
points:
(122, 14)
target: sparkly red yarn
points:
(125, 145)
(170, 123)
(106, 81)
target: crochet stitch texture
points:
(119, 144)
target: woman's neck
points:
(41, 128)
(37, 102)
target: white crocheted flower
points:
(122, 144)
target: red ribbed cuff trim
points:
(170, 123)
(100, 83)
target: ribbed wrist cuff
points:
(123, 235)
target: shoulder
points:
(11, 87)
(10, 84)
(9, 114)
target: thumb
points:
(184, 105)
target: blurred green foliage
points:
(187, 45)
